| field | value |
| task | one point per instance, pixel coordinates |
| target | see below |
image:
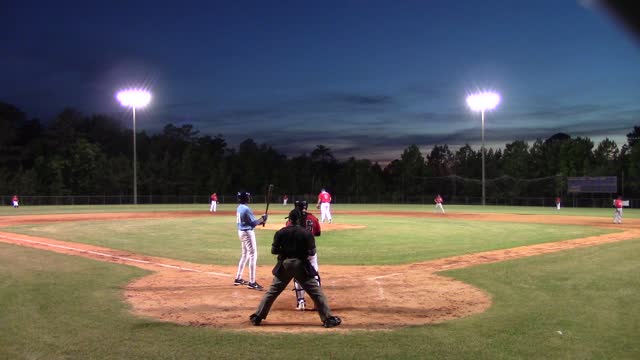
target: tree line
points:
(77, 154)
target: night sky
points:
(364, 78)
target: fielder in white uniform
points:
(214, 203)
(438, 200)
(324, 204)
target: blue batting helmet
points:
(243, 196)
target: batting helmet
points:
(243, 196)
(302, 205)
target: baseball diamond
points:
(366, 297)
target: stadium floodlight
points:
(134, 98)
(483, 101)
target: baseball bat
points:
(269, 191)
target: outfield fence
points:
(577, 202)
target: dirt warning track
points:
(366, 297)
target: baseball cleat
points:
(240, 282)
(301, 305)
(255, 319)
(255, 286)
(332, 322)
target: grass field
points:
(550, 210)
(385, 240)
(571, 304)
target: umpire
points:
(293, 245)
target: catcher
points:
(293, 244)
(311, 223)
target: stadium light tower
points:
(482, 102)
(134, 98)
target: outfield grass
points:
(385, 240)
(532, 210)
(55, 306)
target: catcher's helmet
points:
(243, 196)
(302, 205)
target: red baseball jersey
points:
(618, 203)
(311, 223)
(214, 197)
(438, 200)
(324, 197)
(557, 200)
(15, 198)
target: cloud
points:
(367, 100)
(375, 126)
(558, 112)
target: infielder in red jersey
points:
(311, 224)
(214, 203)
(558, 203)
(324, 204)
(15, 201)
(438, 200)
(617, 215)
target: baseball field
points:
(477, 282)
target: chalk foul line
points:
(123, 258)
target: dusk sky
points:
(364, 78)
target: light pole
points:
(482, 102)
(134, 98)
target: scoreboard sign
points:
(597, 184)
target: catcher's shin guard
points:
(299, 291)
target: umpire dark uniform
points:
(293, 244)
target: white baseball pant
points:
(617, 216)
(249, 253)
(299, 290)
(325, 211)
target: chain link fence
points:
(582, 202)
